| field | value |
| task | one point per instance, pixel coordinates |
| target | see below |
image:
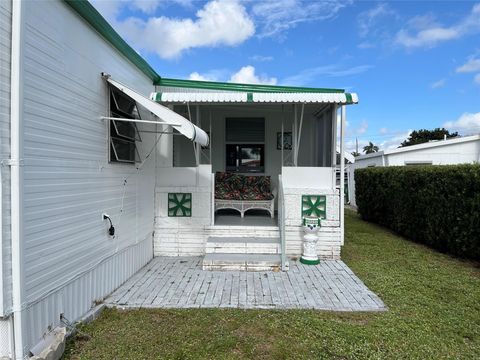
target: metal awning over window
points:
(165, 115)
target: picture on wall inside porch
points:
(179, 204)
(287, 140)
(314, 205)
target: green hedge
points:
(435, 205)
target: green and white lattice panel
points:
(179, 204)
(314, 205)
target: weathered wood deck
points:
(180, 282)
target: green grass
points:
(434, 313)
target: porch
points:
(180, 282)
(268, 148)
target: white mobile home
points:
(459, 150)
(104, 164)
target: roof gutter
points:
(16, 119)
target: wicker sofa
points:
(243, 192)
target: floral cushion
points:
(231, 186)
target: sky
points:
(414, 64)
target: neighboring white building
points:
(460, 150)
(65, 163)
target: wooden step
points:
(246, 262)
(243, 245)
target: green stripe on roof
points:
(93, 17)
(348, 97)
(212, 85)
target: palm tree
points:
(355, 153)
(370, 148)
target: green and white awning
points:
(255, 97)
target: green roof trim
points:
(348, 97)
(93, 17)
(250, 88)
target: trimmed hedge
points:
(435, 205)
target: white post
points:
(342, 172)
(199, 148)
(210, 140)
(299, 135)
(294, 135)
(334, 144)
(282, 143)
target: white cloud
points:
(277, 16)
(383, 130)
(146, 6)
(424, 31)
(366, 45)
(362, 128)
(467, 123)
(196, 76)
(367, 19)
(438, 84)
(246, 75)
(308, 75)
(394, 141)
(261, 58)
(219, 22)
(476, 79)
(472, 65)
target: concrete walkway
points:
(180, 282)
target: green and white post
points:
(311, 226)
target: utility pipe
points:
(2, 308)
(16, 120)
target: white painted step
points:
(246, 262)
(242, 245)
(243, 231)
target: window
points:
(418, 163)
(245, 158)
(245, 144)
(123, 134)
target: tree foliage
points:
(370, 148)
(424, 135)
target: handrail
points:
(281, 223)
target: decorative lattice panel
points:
(314, 205)
(180, 204)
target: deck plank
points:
(167, 282)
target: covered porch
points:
(282, 137)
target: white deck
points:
(180, 282)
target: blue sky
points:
(414, 64)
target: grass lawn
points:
(433, 300)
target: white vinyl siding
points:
(70, 260)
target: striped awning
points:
(260, 97)
(165, 115)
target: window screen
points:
(243, 130)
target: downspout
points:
(16, 108)
(2, 300)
